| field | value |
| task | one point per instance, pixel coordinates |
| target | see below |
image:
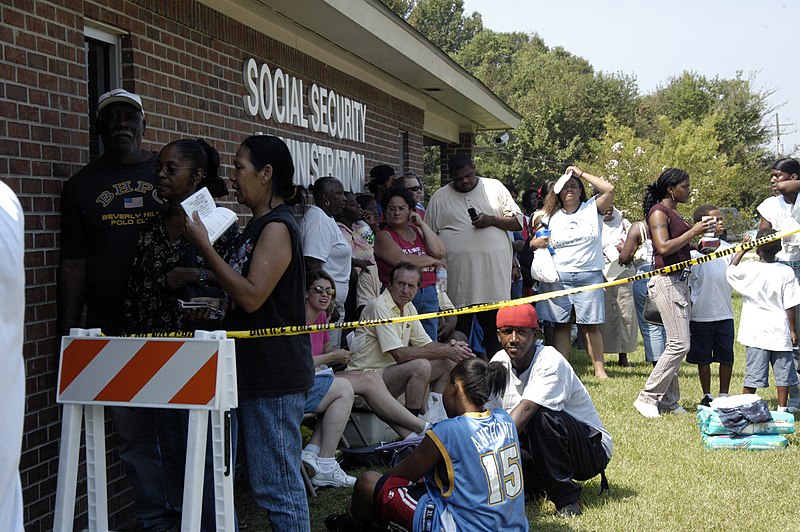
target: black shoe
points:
(706, 401)
(570, 510)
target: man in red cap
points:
(560, 433)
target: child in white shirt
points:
(767, 326)
(711, 319)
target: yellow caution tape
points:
(305, 329)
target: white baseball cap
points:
(119, 95)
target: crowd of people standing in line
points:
(381, 255)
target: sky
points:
(656, 40)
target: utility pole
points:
(778, 145)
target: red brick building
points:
(346, 83)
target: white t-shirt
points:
(768, 290)
(322, 240)
(551, 382)
(777, 212)
(12, 373)
(577, 238)
(711, 292)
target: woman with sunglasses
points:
(575, 223)
(320, 295)
(411, 182)
(169, 268)
(408, 238)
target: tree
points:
(443, 22)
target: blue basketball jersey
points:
(478, 485)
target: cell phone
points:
(473, 214)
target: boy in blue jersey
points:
(470, 463)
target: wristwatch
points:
(203, 278)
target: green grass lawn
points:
(661, 476)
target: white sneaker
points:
(336, 478)
(310, 462)
(678, 410)
(646, 409)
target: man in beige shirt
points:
(473, 215)
(402, 352)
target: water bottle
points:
(441, 279)
(545, 231)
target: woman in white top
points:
(324, 246)
(575, 224)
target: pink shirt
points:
(319, 339)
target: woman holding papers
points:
(264, 284)
(575, 223)
(168, 270)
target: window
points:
(102, 48)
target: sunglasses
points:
(323, 290)
(414, 189)
(170, 169)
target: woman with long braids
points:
(670, 292)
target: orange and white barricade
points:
(198, 374)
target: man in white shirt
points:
(402, 352)
(560, 433)
(12, 371)
(472, 215)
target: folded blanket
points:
(756, 442)
(738, 411)
(709, 422)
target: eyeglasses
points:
(414, 189)
(171, 169)
(571, 187)
(323, 290)
(521, 331)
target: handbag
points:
(543, 268)
(650, 312)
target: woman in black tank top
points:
(670, 292)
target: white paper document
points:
(216, 219)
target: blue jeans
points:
(654, 337)
(271, 435)
(140, 454)
(427, 300)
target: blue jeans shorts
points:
(589, 306)
(756, 371)
(711, 341)
(323, 380)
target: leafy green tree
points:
(401, 7)
(444, 23)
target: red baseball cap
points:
(518, 316)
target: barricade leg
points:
(195, 465)
(96, 485)
(68, 468)
(223, 470)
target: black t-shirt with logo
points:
(103, 208)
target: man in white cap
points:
(103, 208)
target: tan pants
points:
(671, 296)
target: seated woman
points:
(407, 237)
(470, 464)
(320, 295)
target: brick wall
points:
(185, 60)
